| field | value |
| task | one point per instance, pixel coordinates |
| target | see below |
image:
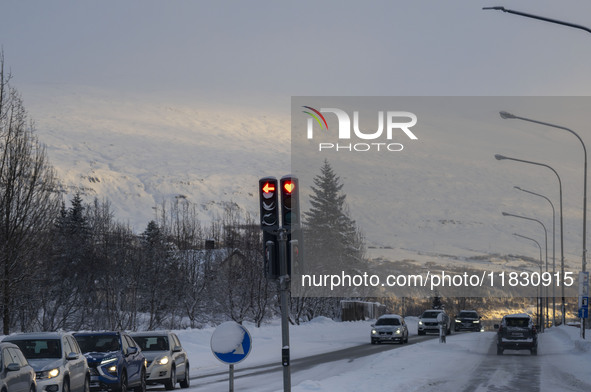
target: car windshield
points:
(39, 348)
(152, 343)
(98, 343)
(468, 314)
(430, 314)
(388, 321)
(517, 322)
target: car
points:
(468, 320)
(115, 360)
(517, 332)
(428, 322)
(168, 362)
(57, 360)
(16, 375)
(389, 328)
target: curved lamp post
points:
(553, 252)
(506, 115)
(502, 157)
(540, 265)
(546, 237)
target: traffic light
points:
(270, 255)
(294, 260)
(268, 204)
(290, 203)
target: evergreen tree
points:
(331, 236)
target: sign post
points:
(231, 343)
(583, 299)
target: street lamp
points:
(540, 265)
(502, 157)
(545, 236)
(553, 251)
(560, 22)
(506, 115)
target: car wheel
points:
(123, 383)
(32, 388)
(373, 341)
(499, 350)
(142, 386)
(87, 384)
(421, 332)
(406, 339)
(170, 383)
(186, 382)
(534, 351)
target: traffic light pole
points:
(284, 293)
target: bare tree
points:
(28, 198)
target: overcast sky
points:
(258, 54)
(263, 52)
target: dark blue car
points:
(115, 360)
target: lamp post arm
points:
(543, 18)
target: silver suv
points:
(57, 360)
(168, 362)
(428, 321)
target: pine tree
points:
(331, 236)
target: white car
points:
(57, 360)
(389, 328)
(16, 375)
(168, 362)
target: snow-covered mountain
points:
(140, 153)
(442, 195)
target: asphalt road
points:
(517, 370)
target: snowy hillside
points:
(442, 196)
(140, 154)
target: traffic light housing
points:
(268, 204)
(290, 203)
(270, 255)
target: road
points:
(511, 371)
(219, 380)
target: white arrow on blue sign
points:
(231, 342)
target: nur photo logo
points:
(390, 124)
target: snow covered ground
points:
(459, 365)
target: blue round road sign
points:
(231, 342)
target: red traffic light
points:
(289, 186)
(268, 187)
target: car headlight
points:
(420, 322)
(398, 331)
(458, 321)
(162, 360)
(373, 332)
(111, 365)
(476, 321)
(49, 373)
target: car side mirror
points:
(13, 367)
(496, 326)
(177, 349)
(71, 356)
(131, 350)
